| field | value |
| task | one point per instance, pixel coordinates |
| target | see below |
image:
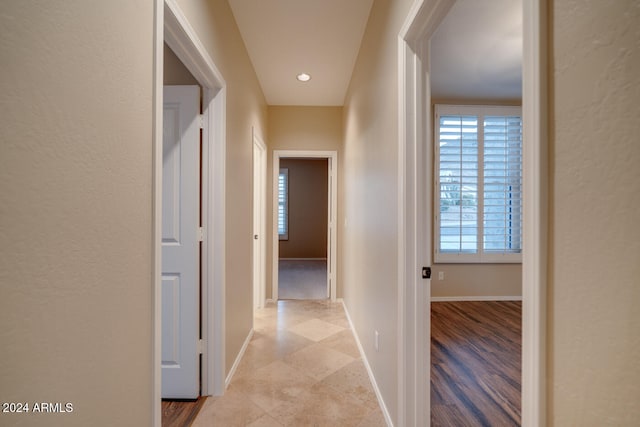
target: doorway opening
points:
(302, 228)
(416, 189)
(304, 232)
(171, 27)
(477, 213)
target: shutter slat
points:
(502, 184)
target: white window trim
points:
(480, 256)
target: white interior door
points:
(180, 243)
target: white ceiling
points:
(476, 53)
(287, 37)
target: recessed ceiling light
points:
(303, 77)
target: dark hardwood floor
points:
(179, 413)
(476, 368)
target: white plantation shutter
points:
(478, 182)
(458, 184)
(502, 184)
(283, 204)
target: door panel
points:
(180, 244)
(170, 320)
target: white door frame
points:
(259, 220)
(332, 235)
(171, 26)
(415, 165)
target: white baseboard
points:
(302, 259)
(236, 363)
(269, 301)
(383, 407)
(476, 298)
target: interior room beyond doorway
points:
(302, 228)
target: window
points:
(283, 204)
(478, 179)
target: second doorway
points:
(303, 228)
(304, 212)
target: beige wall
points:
(594, 252)
(300, 128)
(307, 237)
(369, 195)
(476, 280)
(305, 128)
(75, 216)
(246, 109)
(175, 73)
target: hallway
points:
(302, 367)
(81, 179)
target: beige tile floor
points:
(301, 368)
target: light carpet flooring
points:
(302, 279)
(301, 368)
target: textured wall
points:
(367, 233)
(75, 216)
(594, 278)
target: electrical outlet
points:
(441, 275)
(376, 342)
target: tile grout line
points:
(328, 380)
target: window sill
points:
(440, 258)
